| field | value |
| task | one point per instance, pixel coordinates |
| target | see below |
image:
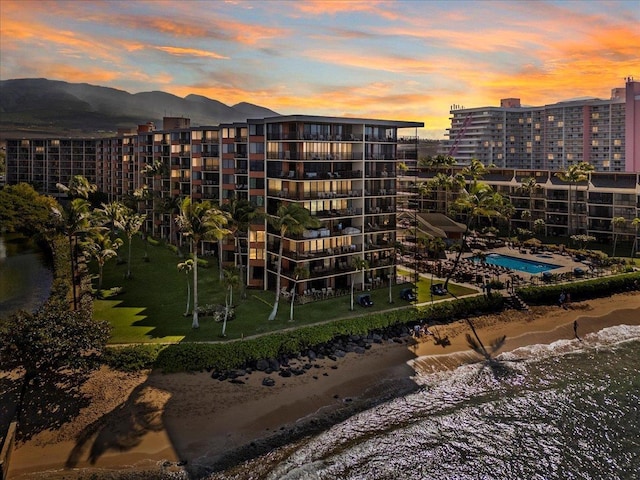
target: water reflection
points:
(25, 277)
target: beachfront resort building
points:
(343, 170)
(565, 209)
(604, 133)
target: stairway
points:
(514, 301)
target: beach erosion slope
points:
(157, 422)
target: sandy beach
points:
(152, 421)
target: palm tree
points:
(398, 249)
(293, 219)
(170, 206)
(230, 279)
(198, 222)
(636, 225)
(109, 214)
(130, 224)
(528, 185)
(301, 272)
(539, 225)
(79, 187)
(242, 213)
(102, 248)
(187, 267)
(616, 223)
(480, 200)
(573, 175)
(360, 265)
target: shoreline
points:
(144, 420)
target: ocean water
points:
(569, 410)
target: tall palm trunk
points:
(220, 267)
(274, 312)
(463, 242)
(195, 323)
(293, 299)
(73, 271)
(186, 312)
(243, 289)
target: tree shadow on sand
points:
(48, 405)
(499, 369)
(122, 429)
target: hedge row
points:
(594, 288)
(225, 356)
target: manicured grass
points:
(152, 305)
(424, 288)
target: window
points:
(560, 124)
(256, 253)
(594, 143)
(617, 142)
(561, 143)
(595, 115)
(228, 148)
(228, 163)
(512, 138)
(594, 129)
(537, 138)
(256, 129)
(256, 147)
(226, 133)
(550, 118)
(537, 126)
(256, 236)
(550, 156)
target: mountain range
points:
(37, 106)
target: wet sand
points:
(152, 421)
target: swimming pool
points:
(521, 264)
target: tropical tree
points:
(574, 174)
(230, 279)
(479, 201)
(529, 185)
(102, 248)
(49, 345)
(636, 225)
(398, 249)
(539, 225)
(170, 206)
(359, 264)
(241, 213)
(617, 223)
(22, 209)
(292, 219)
(582, 240)
(200, 221)
(187, 268)
(109, 214)
(130, 224)
(301, 272)
(74, 220)
(79, 187)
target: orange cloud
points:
(382, 9)
(191, 52)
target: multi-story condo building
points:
(586, 207)
(604, 133)
(343, 170)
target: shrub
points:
(133, 357)
(594, 288)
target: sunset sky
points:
(401, 60)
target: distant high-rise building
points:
(604, 133)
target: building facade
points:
(583, 208)
(604, 133)
(343, 170)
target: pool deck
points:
(566, 263)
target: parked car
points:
(365, 300)
(438, 289)
(408, 294)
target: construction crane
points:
(456, 141)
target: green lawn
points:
(154, 300)
(424, 288)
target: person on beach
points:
(561, 300)
(575, 329)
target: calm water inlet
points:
(25, 276)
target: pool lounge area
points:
(526, 265)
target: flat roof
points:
(349, 120)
